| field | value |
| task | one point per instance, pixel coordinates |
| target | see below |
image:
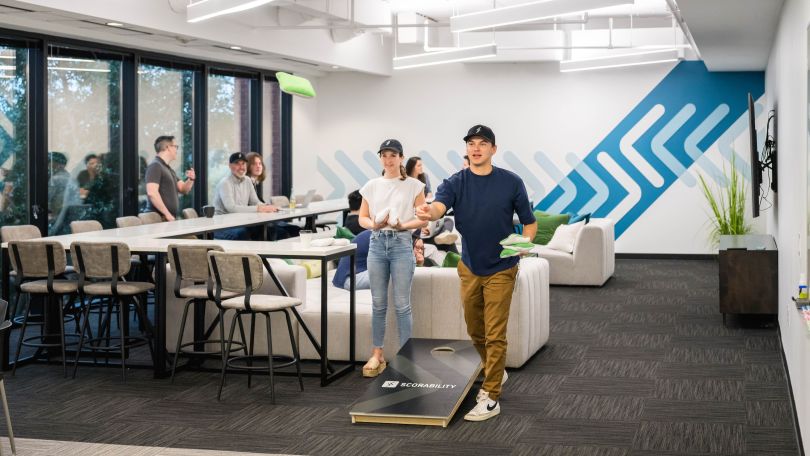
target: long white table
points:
(152, 239)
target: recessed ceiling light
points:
(335, 67)
(236, 48)
(115, 24)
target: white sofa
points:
(435, 302)
(593, 260)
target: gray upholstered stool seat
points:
(262, 303)
(201, 292)
(123, 288)
(59, 286)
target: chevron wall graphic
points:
(661, 140)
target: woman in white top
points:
(388, 210)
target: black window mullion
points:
(286, 144)
(256, 114)
(201, 136)
(130, 172)
(38, 135)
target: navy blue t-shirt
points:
(361, 256)
(483, 207)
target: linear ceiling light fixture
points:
(206, 9)
(526, 12)
(448, 56)
(621, 60)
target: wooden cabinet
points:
(749, 272)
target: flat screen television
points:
(756, 164)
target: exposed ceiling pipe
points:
(676, 13)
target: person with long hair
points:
(413, 168)
(255, 172)
(388, 210)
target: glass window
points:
(14, 136)
(271, 139)
(84, 119)
(165, 100)
(228, 124)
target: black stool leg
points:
(180, 337)
(61, 333)
(295, 350)
(225, 364)
(22, 336)
(270, 358)
(85, 324)
(252, 337)
(122, 321)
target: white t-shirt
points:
(399, 195)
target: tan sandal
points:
(374, 367)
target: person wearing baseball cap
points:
(387, 209)
(484, 199)
(235, 193)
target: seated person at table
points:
(352, 221)
(424, 255)
(235, 193)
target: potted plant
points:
(727, 205)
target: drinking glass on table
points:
(306, 238)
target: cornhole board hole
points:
(424, 384)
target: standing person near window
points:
(414, 169)
(485, 198)
(388, 210)
(162, 183)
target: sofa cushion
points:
(565, 236)
(343, 233)
(546, 225)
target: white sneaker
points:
(446, 238)
(484, 409)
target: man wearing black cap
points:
(235, 193)
(484, 198)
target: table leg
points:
(160, 316)
(4, 292)
(352, 306)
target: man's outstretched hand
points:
(423, 212)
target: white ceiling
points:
(314, 37)
(732, 35)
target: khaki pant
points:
(486, 301)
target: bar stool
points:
(106, 263)
(190, 263)
(17, 233)
(6, 326)
(38, 263)
(243, 273)
(149, 218)
(129, 220)
(85, 226)
(190, 213)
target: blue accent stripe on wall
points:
(692, 98)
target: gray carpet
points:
(641, 366)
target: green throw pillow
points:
(344, 233)
(451, 260)
(295, 85)
(547, 224)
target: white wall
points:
(786, 88)
(535, 111)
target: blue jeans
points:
(390, 255)
(360, 282)
(233, 234)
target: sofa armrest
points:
(594, 249)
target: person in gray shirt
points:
(162, 183)
(235, 193)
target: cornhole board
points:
(424, 384)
